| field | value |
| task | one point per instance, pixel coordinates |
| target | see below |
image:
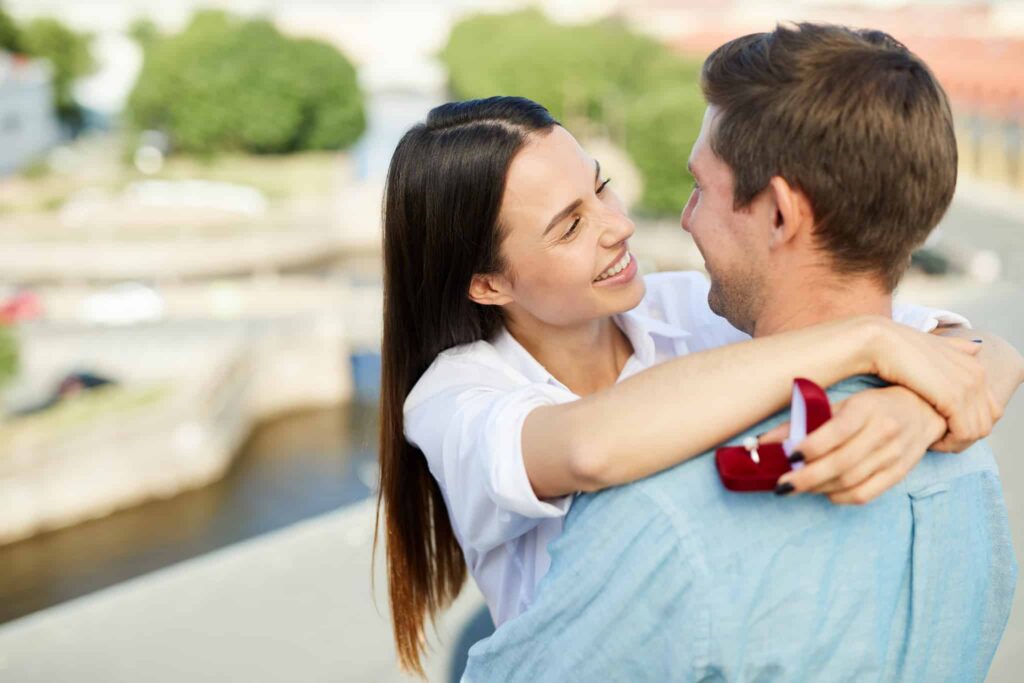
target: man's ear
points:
(489, 289)
(793, 213)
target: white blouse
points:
(466, 414)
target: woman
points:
(507, 331)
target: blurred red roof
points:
(981, 70)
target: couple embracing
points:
(549, 416)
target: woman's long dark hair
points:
(441, 206)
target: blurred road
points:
(998, 308)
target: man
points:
(825, 158)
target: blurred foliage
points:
(68, 52)
(144, 32)
(10, 35)
(661, 128)
(232, 84)
(599, 75)
(9, 357)
(34, 170)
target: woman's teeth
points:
(614, 270)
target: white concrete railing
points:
(184, 441)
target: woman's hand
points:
(945, 372)
(873, 439)
(1004, 370)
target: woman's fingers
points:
(897, 457)
(890, 431)
(847, 420)
(775, 435)
(841, 465)
(965, 405)
(996, 407)
(965, 345)
(874, 486)
(949, 444)
(973, 419)
(942, 370)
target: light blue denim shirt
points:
(674, 578)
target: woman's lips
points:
(625, 275)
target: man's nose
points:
(684, 218)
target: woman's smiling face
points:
(565, 231)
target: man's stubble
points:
(738, 297)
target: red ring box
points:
(736, 467)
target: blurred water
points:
(366, 375)
(290, 469)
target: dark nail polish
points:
(978, 341)
(783, 489)
(796, 457)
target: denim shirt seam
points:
(692, 551)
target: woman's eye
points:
(601, 187)
(572, 228)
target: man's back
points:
(674, 578)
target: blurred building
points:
(28, 122)
(975, 48)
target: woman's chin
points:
(625, 298)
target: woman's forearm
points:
(678, 409)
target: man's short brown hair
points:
(853, 119)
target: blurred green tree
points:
(10, 34)
(595, 78)
(231, 84)
(661, 128)
(9, 357)
(68, 52)
(144, 31)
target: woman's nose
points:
(619, 227)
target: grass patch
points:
(83, 409)
(277, 176)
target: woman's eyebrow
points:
(567, 211)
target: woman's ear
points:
(489, 290)
(793, 214)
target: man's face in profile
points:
(732, 242)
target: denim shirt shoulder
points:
(677, 565)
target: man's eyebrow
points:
(567, 211)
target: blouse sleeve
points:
(926, 319)
(468, 422)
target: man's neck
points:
(802, 302)
(585, 358)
